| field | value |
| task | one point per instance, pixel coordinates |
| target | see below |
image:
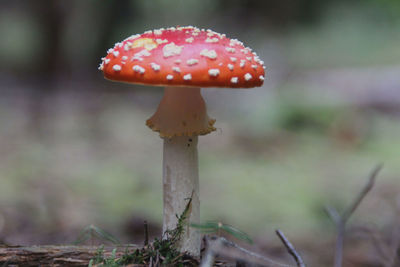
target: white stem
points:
(180, 180)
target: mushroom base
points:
(181, 112)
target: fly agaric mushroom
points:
(183, 60)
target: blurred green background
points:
(74, 148)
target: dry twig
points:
(224, 247)
(290, 248)
(341, 220)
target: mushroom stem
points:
(181, 116)
(180, 182)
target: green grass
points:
(163, 250)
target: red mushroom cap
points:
(183, 56)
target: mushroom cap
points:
(183, 56)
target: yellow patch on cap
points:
(148, 43)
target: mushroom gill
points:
(181, 112)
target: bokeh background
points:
(75, 151)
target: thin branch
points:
(339, 245)
(222, 246)
(290, 248)
(341, 220)
(371, 181)
(252, 254)
(333, 214)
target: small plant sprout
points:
(182, 59)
